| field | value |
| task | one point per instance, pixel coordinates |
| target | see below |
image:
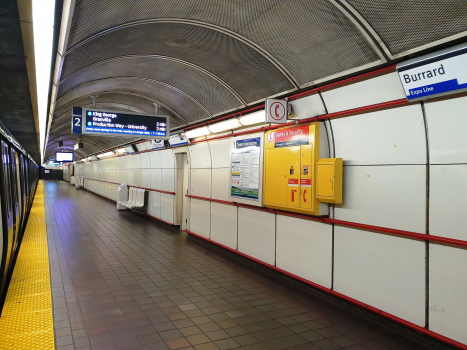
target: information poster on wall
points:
(245, 168)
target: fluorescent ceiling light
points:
(121, 150)
(106, 154)
(197, 132)
(43, 20)
(224, 125)
(253, 118)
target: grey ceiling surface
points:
(200, 59)
(16, 111)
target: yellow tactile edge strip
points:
(27, 318)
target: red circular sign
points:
(277, 111)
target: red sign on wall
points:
(305, 182)
(296, 136)
(293, 182)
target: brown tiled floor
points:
(121, 281)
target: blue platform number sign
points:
(77, 121)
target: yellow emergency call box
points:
(329, 181)
(291, 156)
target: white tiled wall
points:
(383, 271)
(385, 184)
(448, 285)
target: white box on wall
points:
(304, 248)
(257, 234)
(380, 270)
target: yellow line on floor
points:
(27, 319)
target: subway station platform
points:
(123, 281)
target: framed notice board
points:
(246, 169)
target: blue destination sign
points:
(440, 73)
(116, 123)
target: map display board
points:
(245, 168)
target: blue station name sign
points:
(440, 73)
(115, 123)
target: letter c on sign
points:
(277, 111)
(271, 136)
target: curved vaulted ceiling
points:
(200, 59)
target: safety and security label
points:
(245, 159)
(293, 182)
(438, 73)
(305, 182)
(296, 136)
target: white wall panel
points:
(154, 206)
(447, 122)
(200, 222)
(136, 161)
(200, 156)
(220, 153)
(368, 92)
(156, 179)
(221, 184)
(307, 107)
(224, 224)
(448, 286)
(167, 207)
(146, 178)
(448, 200)
(155, 158)
(383, 271)
(201, 182)
(168, 179)
(388, 196)
(167, 159)
(304, 248)
(145, 162)
(256, 234)
(137, 177)
(392, 136)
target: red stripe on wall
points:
(342, 296)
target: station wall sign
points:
(440, 73)
(276, 111)
(115, 123)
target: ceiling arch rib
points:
(180, 102)
(261, 51)
(143, 102)
(249, 73)
(311, 39)
(205, 87)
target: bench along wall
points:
(404, 168)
